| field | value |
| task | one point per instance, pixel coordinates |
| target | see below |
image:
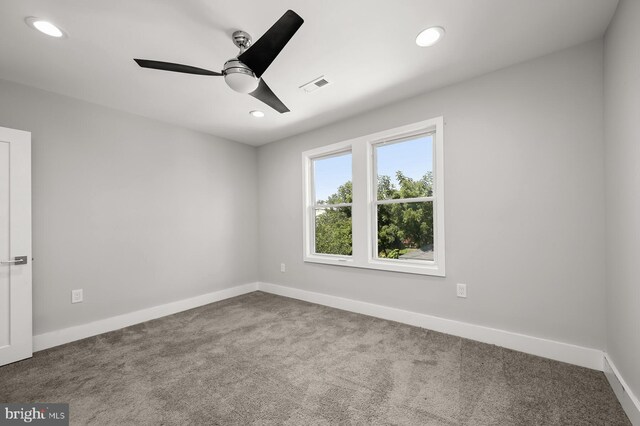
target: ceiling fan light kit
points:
(239, 77)
(243, 73)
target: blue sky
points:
(414, 158)
(330, 174)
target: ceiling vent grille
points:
(315, 84)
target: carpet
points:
(265, 359)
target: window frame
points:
(364, 201)
(375, 202)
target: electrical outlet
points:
(283, 268)
(461, 290)
(76, 296)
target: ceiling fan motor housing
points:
(239, 77)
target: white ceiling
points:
(365, 48)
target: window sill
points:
(431, 268)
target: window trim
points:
(364, 225)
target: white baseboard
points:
(559, 351)
(573, 354)
(565, 352)
(66, 335)
(628, 400)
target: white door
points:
(15, 246)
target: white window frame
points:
(363, 206)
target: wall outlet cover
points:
(461, 290)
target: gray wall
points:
(135, 212)
(622, 134)
(140, 213)
(524, 202)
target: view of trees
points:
(333, 225)
(402, 227)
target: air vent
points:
(315, 84)
(321, 82)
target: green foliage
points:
(333, 225)
(344, 195)
(333, 231)
(402, 227)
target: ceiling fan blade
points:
(259, 56)
(168, 66)
(264, 94)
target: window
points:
(377, 201)
(332, 204)
(403, 198)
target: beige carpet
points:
(264, 359)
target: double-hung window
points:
(377, 201)
(332, 204)
(403, 198)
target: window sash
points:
(374, 231)
(312, 165)
(313, 212)
(395, 140)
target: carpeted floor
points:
(264, 359)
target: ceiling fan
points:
(243, 73)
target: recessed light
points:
(430, 36)
(45, 27)
(257, 114)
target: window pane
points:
(333, 231)
(405, 169)
(405, 231)
(332, 179)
